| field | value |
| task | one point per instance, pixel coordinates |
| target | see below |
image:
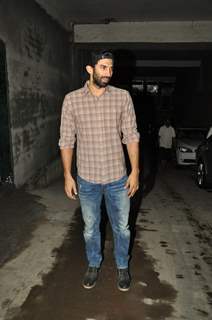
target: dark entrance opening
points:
(5, 153)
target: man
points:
(166, 141)
(101, 117)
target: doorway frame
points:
(3, 49)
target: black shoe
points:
(123, 279)
(90, 278)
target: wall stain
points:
(34, 41)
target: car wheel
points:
(201, 175)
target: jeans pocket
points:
(122, 181)
(85, 187)
(118, 185)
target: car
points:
(187, 141)
(204, 163)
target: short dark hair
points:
(98, 55)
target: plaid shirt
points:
(101, 125)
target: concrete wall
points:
(37, 50)
(201, 100)
(156, 32)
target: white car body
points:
(187, 144)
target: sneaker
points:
(90, 278)
(123, 279)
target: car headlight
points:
(184, 149)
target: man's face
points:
(102, 72)
(167, 123)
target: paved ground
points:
(171, 261)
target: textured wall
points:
(148, 31)
(37, 51)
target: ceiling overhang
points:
(68, 12)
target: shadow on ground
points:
(62, 297)
(20, 213)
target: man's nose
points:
(109, 72)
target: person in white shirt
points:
(166, 142)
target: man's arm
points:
(133, 179)
(174, 143)
(174, 139)
(159, 135)
(70, 185)
(66, 143)
(131, 139)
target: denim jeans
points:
(118, 207)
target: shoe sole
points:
(89, 287)
(123, 289)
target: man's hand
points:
(70, 188)
(132, 183)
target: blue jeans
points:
(118, 207)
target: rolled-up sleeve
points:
(128, 122)
(67, 126)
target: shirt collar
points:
(87, 91)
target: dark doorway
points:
(5, 154)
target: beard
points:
(100, 82)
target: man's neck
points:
(95, 90)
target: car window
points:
(191, 134)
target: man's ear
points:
(89, 69)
